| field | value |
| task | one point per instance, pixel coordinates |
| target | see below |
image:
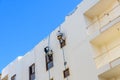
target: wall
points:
(78, 53)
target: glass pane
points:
(32, 76)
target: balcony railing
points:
(108, 57)
(111, 65)
(111, 62)
(105, 20)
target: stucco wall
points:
(78, 52)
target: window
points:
(48, 57)
(49, 61)
(32, 72)
(13, 77)
(66, 73)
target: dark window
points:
(13, 77)
(32, 72)
(66, 73)
(49, 61)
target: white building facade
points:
(85, 47)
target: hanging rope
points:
(63, 52)
(65, 63)
(64, 59)
(60, 28)
(48, 46)
(49, 40)
(35, 62)
(49, 74)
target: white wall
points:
(78, 52)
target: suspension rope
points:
(65, 62)
(60, 28)
(64, 58)
(48, 46)
(49, 40)
(63, 52)
(35, 62)
(49, 74)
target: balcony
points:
(112, 64)
(106, 47)
(107, 59)
(106, 52)
(104, 20)
(110, 71)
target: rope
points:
(49, 73)
(49, 40)
(63, 52)
(65, 62)
(48, 46)
(35, 62)
(64, 58)
(60, 28)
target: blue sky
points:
(24, 23)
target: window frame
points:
(31, 71)
(66, 73)
(49, 63)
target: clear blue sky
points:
(24, 23)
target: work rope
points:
(63, 52)
(34, 52)
(48, 46)
(60, 28)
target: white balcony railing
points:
(108, 57)
(101, 24)
(112, 64)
